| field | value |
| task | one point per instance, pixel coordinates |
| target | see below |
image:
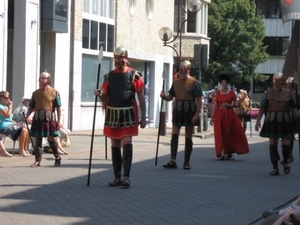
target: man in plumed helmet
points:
(187, 106)
(279, 106)
(45, 123)
(121, 121)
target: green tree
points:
(236, 44)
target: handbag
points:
(65, 141)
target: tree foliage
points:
(236, 44)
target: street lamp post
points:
(165, 33)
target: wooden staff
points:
(160, 119)
(100, 57)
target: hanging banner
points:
(290, 10)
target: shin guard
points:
(274, 156)
(174, 146)
(38, 150)
(188, 150)
(286, 152)
(53, 146)
(127, 159)
(116, 161)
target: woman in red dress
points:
(229, 134)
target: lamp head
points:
(165, 34)
(194, 5)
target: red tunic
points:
(228, 131)
(117, 132)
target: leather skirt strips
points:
(183, 113)
(120, 117)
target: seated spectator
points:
(289, 218)
(277, 217)
(11, 129)
(22, 108)
(3, 151)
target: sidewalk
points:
(212, 192)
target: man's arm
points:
(58, 110)
(141, 98)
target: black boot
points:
(274, 156)
(53, 146)
(286, 152)
(117, 166)
(174, 148)
(187, 153)
(38, 151)
(127, 161)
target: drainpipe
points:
(71, 64)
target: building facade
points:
(277, 40)
(66, 41)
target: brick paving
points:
(212, 192)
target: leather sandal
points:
(274, 172)
(286, 169)
(186, 166)
(125, 182)
(170, 165)
(35, 164)
(116, 182)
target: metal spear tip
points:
(100, 55)
(164, 75)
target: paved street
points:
(212, 192)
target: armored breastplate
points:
(279, 101)
(121, 92)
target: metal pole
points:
(199, 73)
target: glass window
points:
(110, 38)
(89, 75)
(268, 8)
(95, 7)
(191, 23)
(61, 7)
(261, 87)
(261, 7)
(102, 35)
(85, 33)
(102, 8)
(276, 45)
(94, 35)
(111, 9)
(86, 6)
(274, 9)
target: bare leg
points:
(4, 153)
(23, 139)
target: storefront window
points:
(89, 75)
